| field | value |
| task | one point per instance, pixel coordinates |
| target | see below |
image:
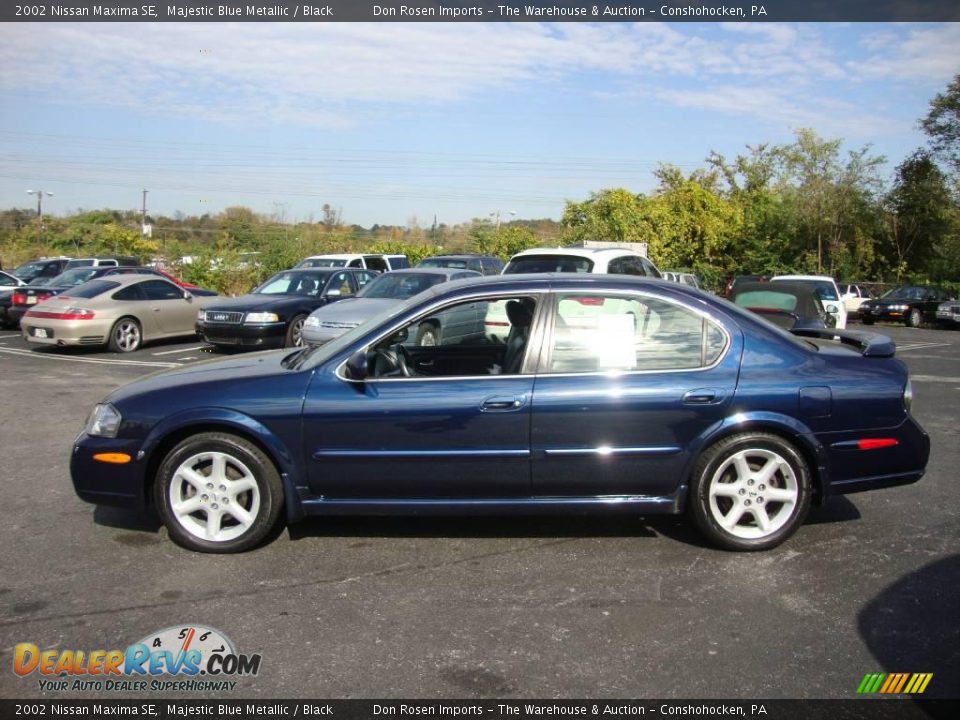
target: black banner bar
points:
(873, 708)
(483, 11)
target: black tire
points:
(126, 336)
(914, 318)
(243, 463)
(428, 334)
(866, 321)
(745, 498)
(294, 336)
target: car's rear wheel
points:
(750, 491)
(914, 318)
(125, 336)
(295, 332)
(218, 493)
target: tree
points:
(919, 210)
(942, 125)
(614, 215)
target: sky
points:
(402, 123)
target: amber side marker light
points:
(115, 458)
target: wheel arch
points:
(165, 436)
(787, 428)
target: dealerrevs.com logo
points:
(197, 658)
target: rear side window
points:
(93, 288)
(130, 292)
(548, 264)
(374, 263)
(161, 290)
(599, 333)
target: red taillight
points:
(69, 315)
(42, 297)
(18, 299)
(876, 443)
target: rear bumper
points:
(854, 470)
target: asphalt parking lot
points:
(486, 607)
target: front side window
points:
(452, 341)
(292, 283)
(601, 332)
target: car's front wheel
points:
(750, 491)
(218, 493)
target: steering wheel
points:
(395, 361)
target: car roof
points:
(130, 278)
(583, 282)
(432, 271)
(577, 252)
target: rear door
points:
(626, 382)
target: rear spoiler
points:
(869, 344)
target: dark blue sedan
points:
(607, 393)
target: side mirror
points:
(400, 336)
(187, 296)
(333, 293)
(356, 368)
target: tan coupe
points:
(120, 311)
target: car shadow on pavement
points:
(125, 519)
(514, 526)
(913, 626)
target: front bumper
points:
(261, 335)
(884, 313)
(105, 483)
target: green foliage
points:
(942, 124)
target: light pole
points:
(496, 215)
(39, 194)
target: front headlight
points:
(832, 309)
(908, 395)
(261, 317)
(104, 421)
(201, 315)
(312, 322)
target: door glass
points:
(598, 333)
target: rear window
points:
(767, 299)
(93, 288)
(548, 264)
(443, 263)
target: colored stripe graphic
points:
(894, 683)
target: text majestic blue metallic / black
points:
(599, 393)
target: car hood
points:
(253, 301)
(354, 310)
(208, 374)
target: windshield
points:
(93, 288)
(292, 283)
(907, 292)
(548, 263)
(77, 276)
(28, 271)
(400, 285)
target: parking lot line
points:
(171, 352)
(95, 361)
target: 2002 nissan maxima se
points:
(610, 394)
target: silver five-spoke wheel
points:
(217, 492)
(214, 496)
(750, 491)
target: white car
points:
(853, 297)
(618, 261)
(378, 262)
(828, 291)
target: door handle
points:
(503, 402)
(703, 396)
